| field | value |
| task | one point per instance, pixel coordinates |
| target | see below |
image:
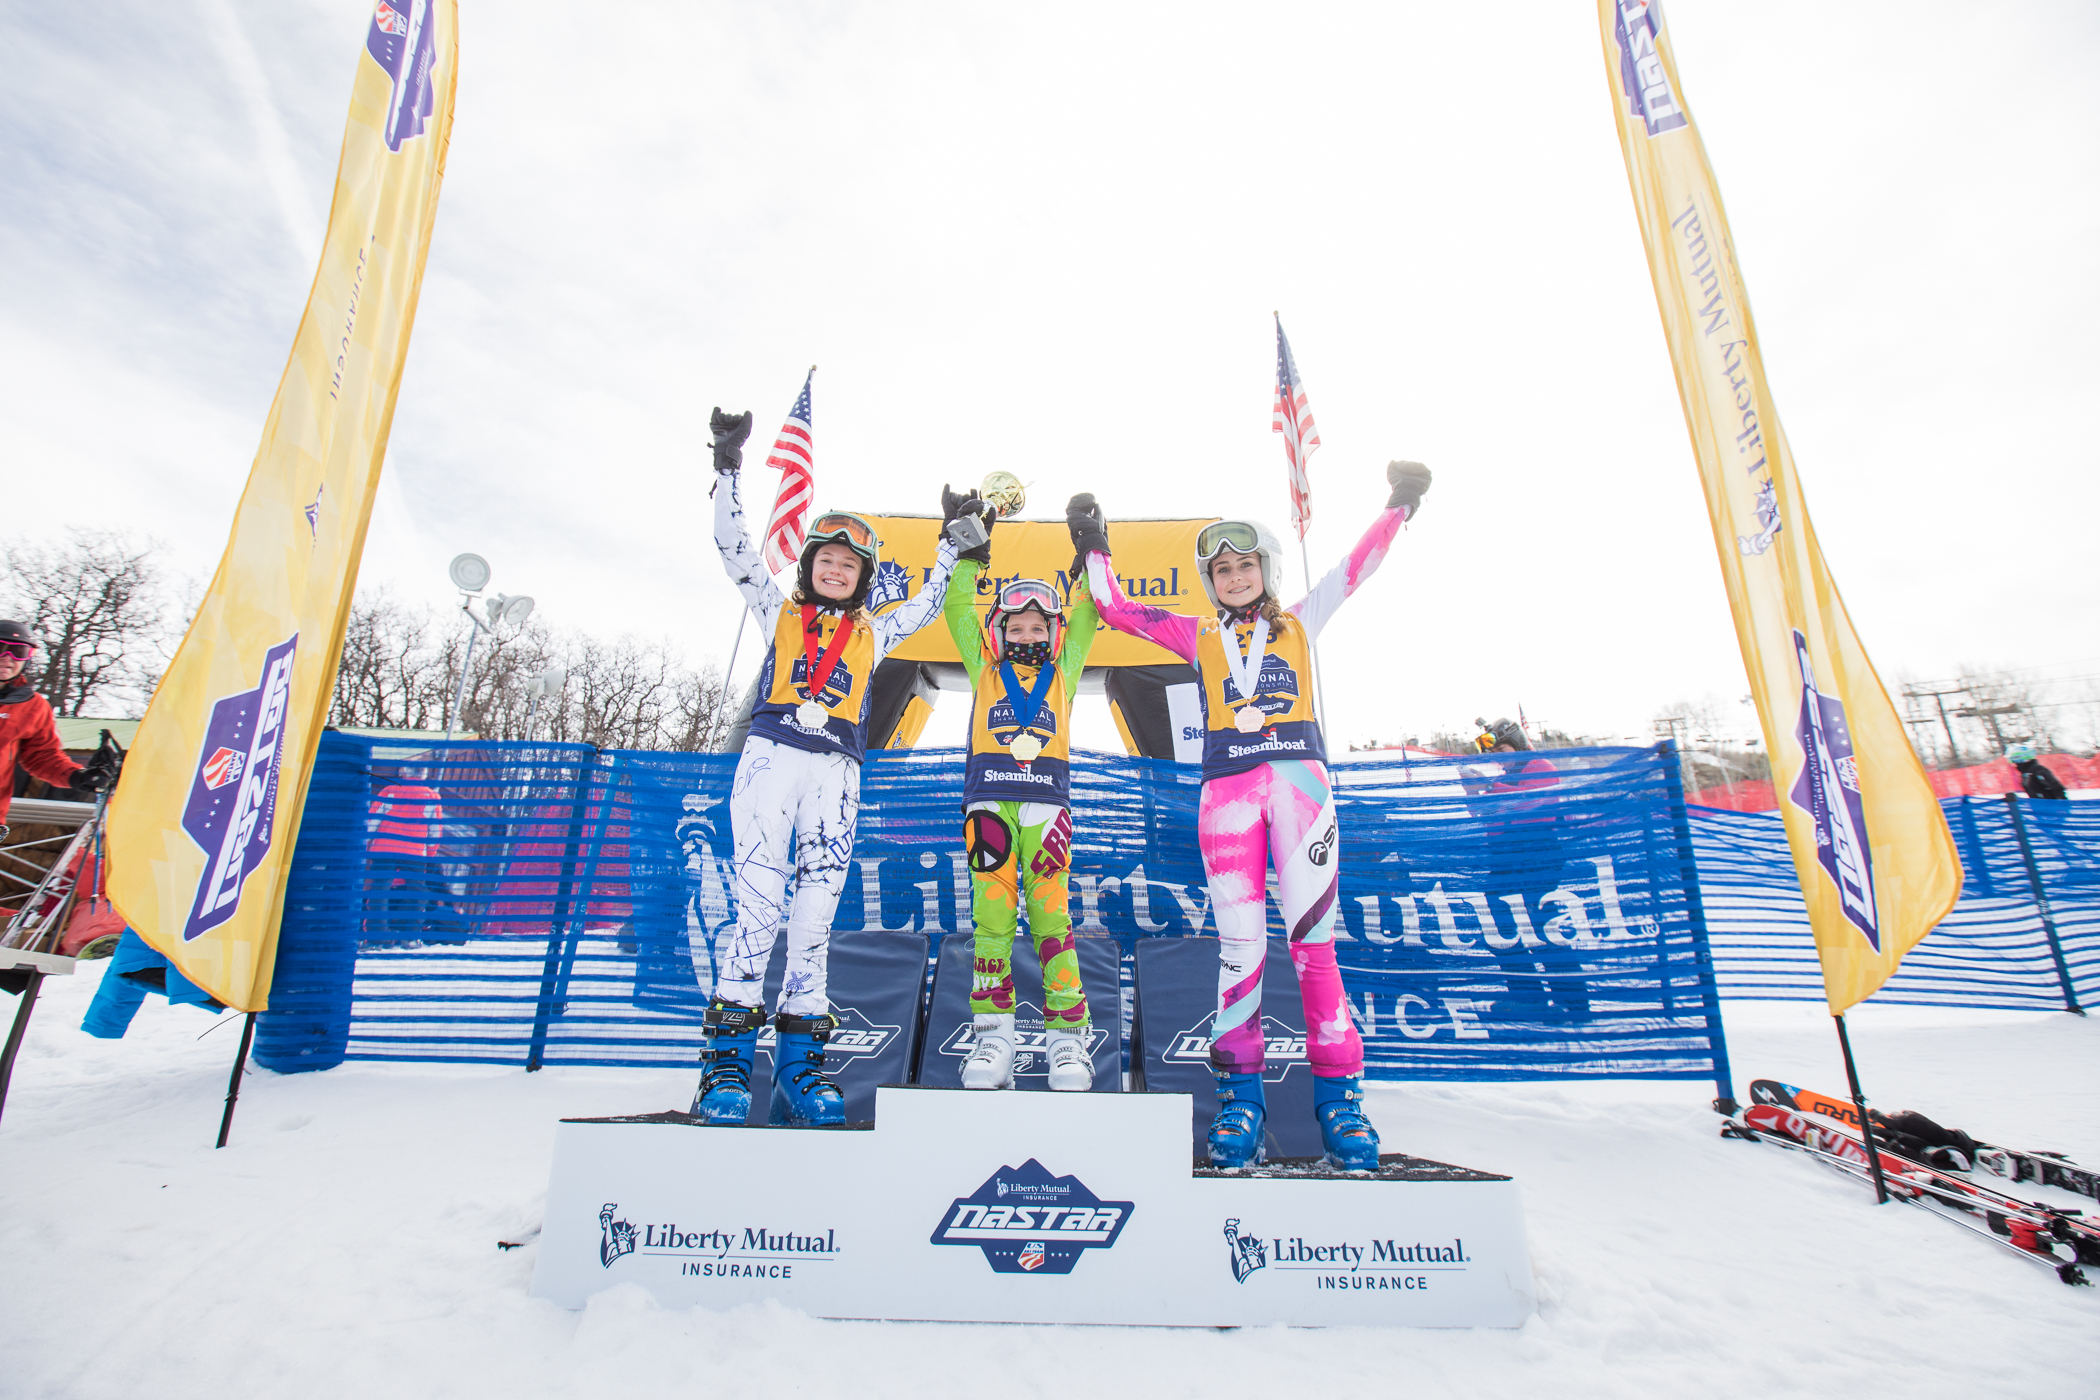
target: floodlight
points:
(470, 572)
(504, 608)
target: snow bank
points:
(345, 1244)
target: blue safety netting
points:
(2025, 934)
(556, 904)
(553, 904)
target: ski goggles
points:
(1025, 593)
(844, 527)
(1486, 743)
(1239, 536)
(20, 651)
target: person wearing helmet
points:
(796, 796)
(1520, 836)
(1265, 790)
(2035, 779)
(1024, 663)
(29, 734)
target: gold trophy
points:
(1004, 490)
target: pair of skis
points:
(1803, 1121)
(2014, 1164)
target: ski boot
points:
(1350, 1140)
(731, 1032)
(802, 1096)
(991, 1061)
(1236, 1133)
(1071, 1068)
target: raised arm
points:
(746, 569)
(1156, 625)
(959, 610)
(893, 627)
(1317, 608)
(1082, 619)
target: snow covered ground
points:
(345, 1243)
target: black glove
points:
(969, 505)
(730, 431)
(1409, 481)
(1089, 529)
(98, 776)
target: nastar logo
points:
(1828, 790)
(892, 584)
(856, 1036)
(615, 1237)
(1031, 1045)
(1641, 73)
(999, 718)
(837, 685)
(1028, 1221)
(403, 42)
(1284, 1048)
(1248, 1252)
(233, 797)
(1277, 682)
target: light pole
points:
(470, 574)
(541, 685)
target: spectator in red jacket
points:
(29, 734)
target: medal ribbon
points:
(1015, 695)
(820, 671)
(1245, 671)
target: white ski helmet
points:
(1240, 537)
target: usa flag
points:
(795, 453)
(1292, 416)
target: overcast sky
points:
(1049, 240)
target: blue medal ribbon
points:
(1015, 694)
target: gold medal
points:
(1026, 748)
(810, 715)
(1249, 720)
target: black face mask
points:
(1028, 653)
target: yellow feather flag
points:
(1871, 847)
(202, 826)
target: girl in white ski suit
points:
(797, 789)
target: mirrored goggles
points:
(1236, 535)
(848, 529)
(1486, 743)
(1024, 593)
(20, 651)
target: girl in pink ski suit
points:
(1265, 793)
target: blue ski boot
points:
(731, 1033)
(802, 1096)
(1236, 1133)
(1350, 1140)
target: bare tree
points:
(97, 605)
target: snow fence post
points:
(2041, 903)
(1695, 910)
(558, 917)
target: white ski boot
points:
(991, 1061)
(1070, 1065)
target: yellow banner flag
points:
(1155, 560)
(1871, 847)
(202, 826)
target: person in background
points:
(1524, 862)
(405, 886)
(2035, 780)
(29, 733)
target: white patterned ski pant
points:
(792, 811)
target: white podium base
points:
(1005, 1207)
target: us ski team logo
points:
(233, 797)
(1030, 1222)
(404, 46)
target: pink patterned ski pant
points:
(1238, 821)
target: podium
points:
(1015, 1207)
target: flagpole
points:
(1866, 1123)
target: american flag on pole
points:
(1292, 416)
(795, 453)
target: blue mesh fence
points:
(1995, 949)
(555, 904)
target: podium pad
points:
(1010, 1207)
